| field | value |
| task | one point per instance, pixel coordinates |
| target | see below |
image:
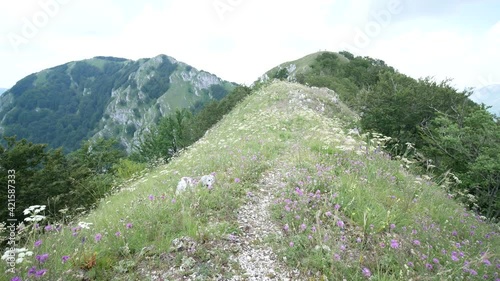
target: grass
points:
(345, 209)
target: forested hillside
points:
(103, 97)
(429, 121)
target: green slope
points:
(343, 207)
(103, 97)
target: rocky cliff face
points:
(103, 97)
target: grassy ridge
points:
(346, 211)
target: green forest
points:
(430, 123)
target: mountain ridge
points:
(335, 207)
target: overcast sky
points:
(239, 40)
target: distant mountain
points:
(489, 95)
(103, 96)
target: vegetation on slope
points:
(451, 133)
(102, 97)
(346, 210)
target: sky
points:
(239, 40)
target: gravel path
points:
(255, 258)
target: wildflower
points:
(48, 227)
(382, 245)
(38, 243)
(42, 258)
(98, 237)
(151, 197)
(340, 224)
(31, 271)
(435, 260)
(358, 240)
(472, 272)
(313, 229)
(286, 227)
(173, 201)
(366, 272)
(394, 244)
(303, 227)
(337, 207)
(416, 242)
(336, 257)
(342, 247)
(454, 233)
(297, 217)
(428, 266)
(328, 214)
(393, 226)
(129, 225)
(309, 237)
(40, 273)
(65, 259)
(237, 180)
(410, 264)
(487, 262)
(16, 278)
(454, 256)
(299, 191)
(291, 244)
(118, 234)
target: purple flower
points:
(410, 264)
(392, 226)
(291, 244)
(394, 244)
(435, 260)
(129, 225)
(48, 227)
(340, 224)
(313, 229)
(38, 243)
(358, 240)
(416, 242)
(472, 272)
(328, 214)
(65, 259)
(151, 197)
(98, 237)
(286, 227)
(337, 207)
(303, 227)
(382, 245)
(31, 271)
(16, 278)
(42, 258)
(336, 257)
(366, 272)
(428, 266)
(454, 233)
(118, 234)
(40, 273)
(237, 180)
(487, 262)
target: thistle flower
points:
(38, 243)
(64, 259)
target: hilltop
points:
(104, 97)
(299, 194)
